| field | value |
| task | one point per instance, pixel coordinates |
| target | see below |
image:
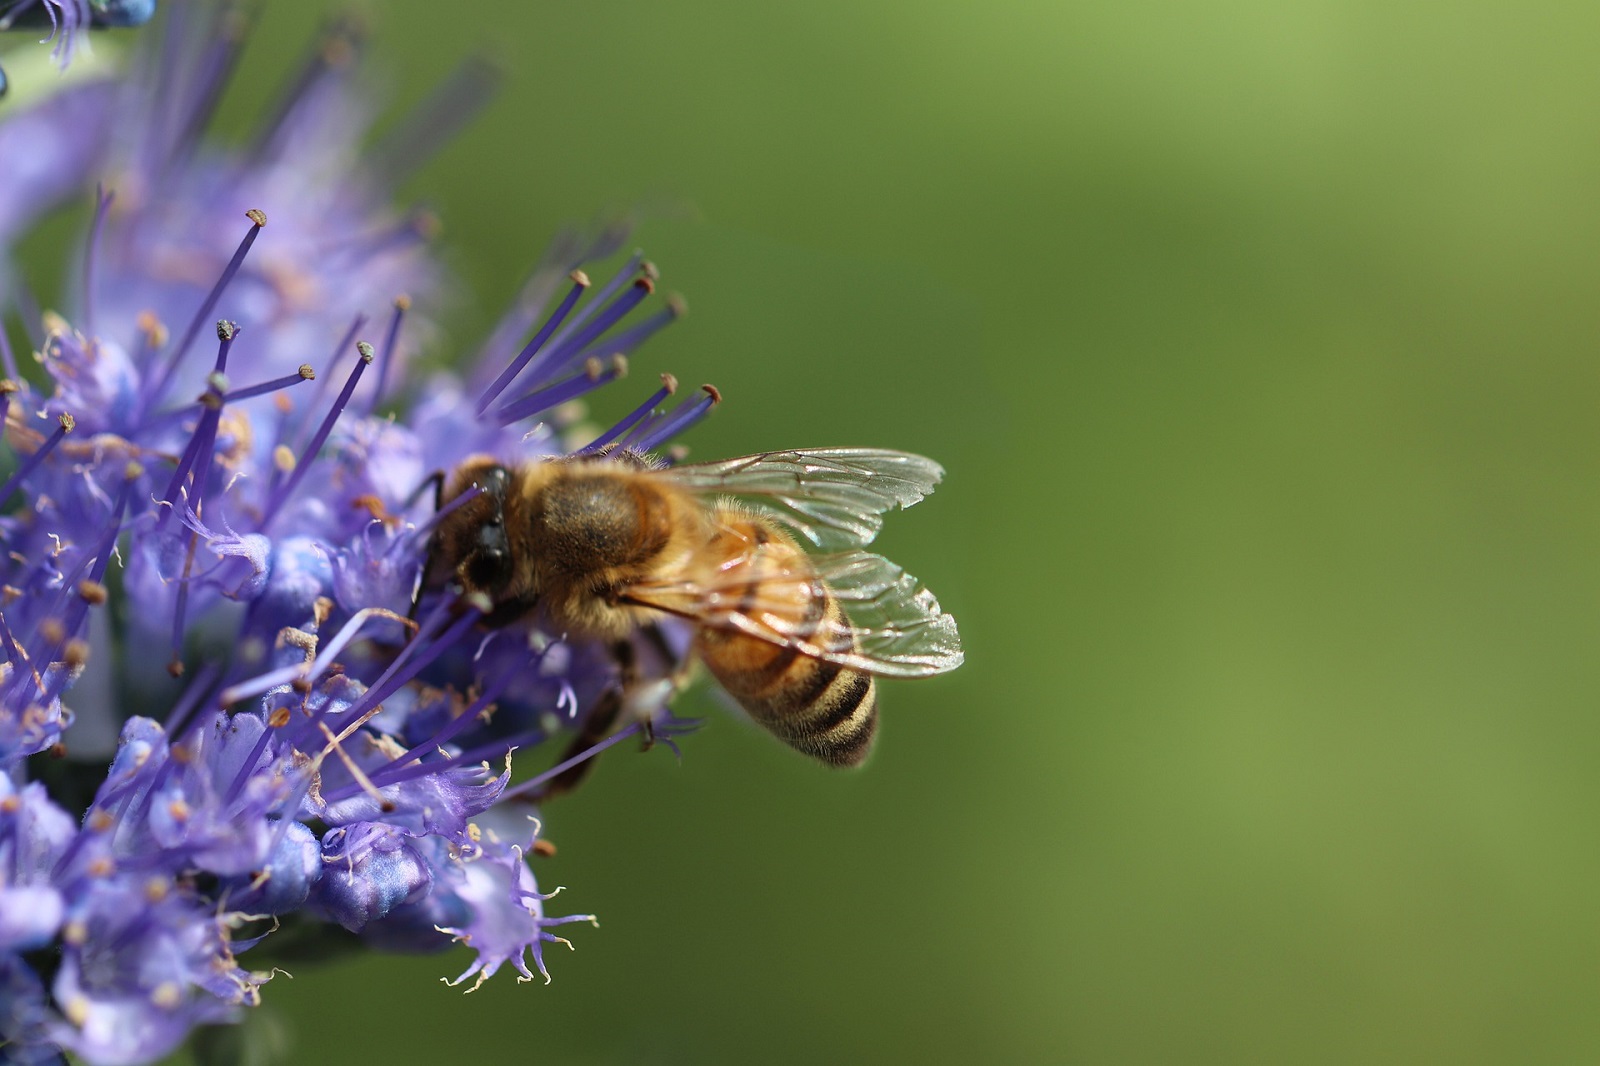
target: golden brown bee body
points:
(604, 545)
(814, 705)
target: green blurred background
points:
(1260, 342)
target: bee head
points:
(475, 537)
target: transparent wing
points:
(897, 626)
(831, 497)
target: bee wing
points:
(898, 626)
(832, 497)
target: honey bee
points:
(604, 545)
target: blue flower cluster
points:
(224, 719)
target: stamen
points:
(339, 349)
(533, 783)
(16, 657)
(669, 385)
(563, 349)
(419, 226)
(402, 304)
(200, 451)
(570, 388)
(333, 54)
(102, 202)
(180, 610)
(305, 373)
(426, 528)
(456, 725)
(257, 221)
(310, 671)
(425, 634)
(630, 271)
(286, 490)
(393, 679)
(580, 282)
(91, 592)
(631, 338)
(356, 772)
(152, 336)
(431, 124)
(652, 434)
(31, 463)
(194, 694)
(216, 67)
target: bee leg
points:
(614, 706)
(676, 666)
(602, 716)
(436, 479)
(629, 681)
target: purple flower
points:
(66, 20)
(219, 720)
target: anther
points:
(31, 463)
(92, 592)
(257, 216)
(305, 373)
(76, 654)
(426, 224)
(151, 329)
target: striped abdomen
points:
(828, 711)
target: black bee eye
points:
(488, 568)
